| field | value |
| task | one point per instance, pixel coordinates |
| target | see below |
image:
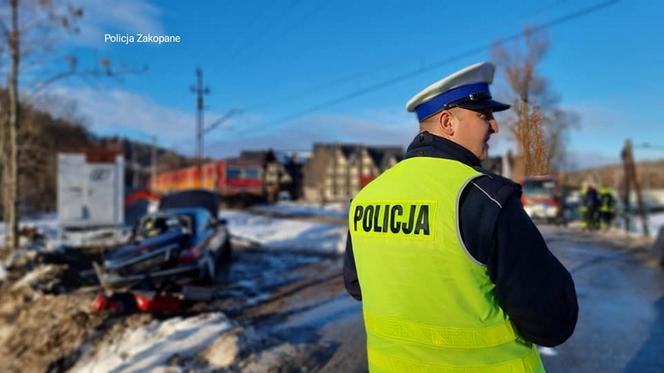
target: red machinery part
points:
(162, 303)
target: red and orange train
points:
(229, 178)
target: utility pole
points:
(200, 90)
(135, 166)
(626, 176)
(630, 175)
(153, 163)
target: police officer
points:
(452, 274)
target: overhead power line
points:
(350, 77)
(258, 37)
(221, 120)
(238, 40)
(435, 65)
(288, 30)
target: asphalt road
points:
(621, 306)
(620, 328)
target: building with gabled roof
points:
(336, 172)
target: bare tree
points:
(538, 127)
(10, 133)
(29, 37)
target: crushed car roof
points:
(192, 198)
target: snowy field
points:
(339, 210)
(46, 223)
(152, 347)
(655, 222)
(287, 234)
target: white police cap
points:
(467, 88)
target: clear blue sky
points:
(278, 59)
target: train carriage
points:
(232, 179)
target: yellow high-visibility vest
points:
(428, 305)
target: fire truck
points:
(541, 197)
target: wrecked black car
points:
(183, 241)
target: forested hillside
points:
(43, 135)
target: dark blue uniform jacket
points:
(532, 286)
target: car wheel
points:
(208, 269)
(225, 251)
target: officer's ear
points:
(445, 122)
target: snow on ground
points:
(150, 347)
(3, 271)
(46, 223)
(287, 234)
(655, 222)
(306, 209)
